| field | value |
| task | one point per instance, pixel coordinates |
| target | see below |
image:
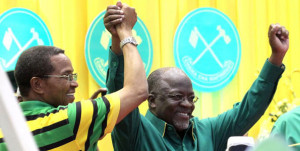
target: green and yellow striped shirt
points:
(77, 126)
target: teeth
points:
(70, 94)
(183, 114)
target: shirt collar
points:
(34, 105)
(161, 125)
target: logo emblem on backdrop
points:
(207, 47)
(98, 42)
(20, 29)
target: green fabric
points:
(288, 127)
(138, 133)
(64, 131)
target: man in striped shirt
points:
(47, 84)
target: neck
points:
(33, 96)
(181, 133)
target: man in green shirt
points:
(288, 127)
(169, 124)
(47, 84)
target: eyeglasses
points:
(70, 77)
(180, 97)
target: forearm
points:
(115, 45)
(259, 96)
(243, 116)
(135, 89)
(276, 59)
(134, 72)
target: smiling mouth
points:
(183, 115)
(70, 94)
(70, 97)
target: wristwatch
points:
(128, 40)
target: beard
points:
(180, 124)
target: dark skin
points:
(53, 90)
(172, 101)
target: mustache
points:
(184, 110)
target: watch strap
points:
(127, 40)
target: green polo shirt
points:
(288, 127)
(77, 126)
(149, 133)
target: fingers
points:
(279, 31)
(113, 16)
(113, 20)
(273, 29)
(129, 11)
(130, 17)
(113, 10)
(101, 90)
(284, 33)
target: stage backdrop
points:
(68, 22)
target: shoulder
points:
(291, 115)
(292, 118)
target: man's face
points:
(174, 101)
(60, 91)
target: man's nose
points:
(74, 84)
(186, 103)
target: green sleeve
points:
(124, 133)
(237, 121)
(115, 73)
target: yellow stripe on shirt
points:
(47, 120)
(87, 110)
(113, 115)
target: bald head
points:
(157, 77)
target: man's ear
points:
(36, 84)
(151, 100)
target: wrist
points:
(276, 59)
(124, 34)
(115, 37)
(115, 45)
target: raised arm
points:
(115, 74)
(135, 89)
(244, 115)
